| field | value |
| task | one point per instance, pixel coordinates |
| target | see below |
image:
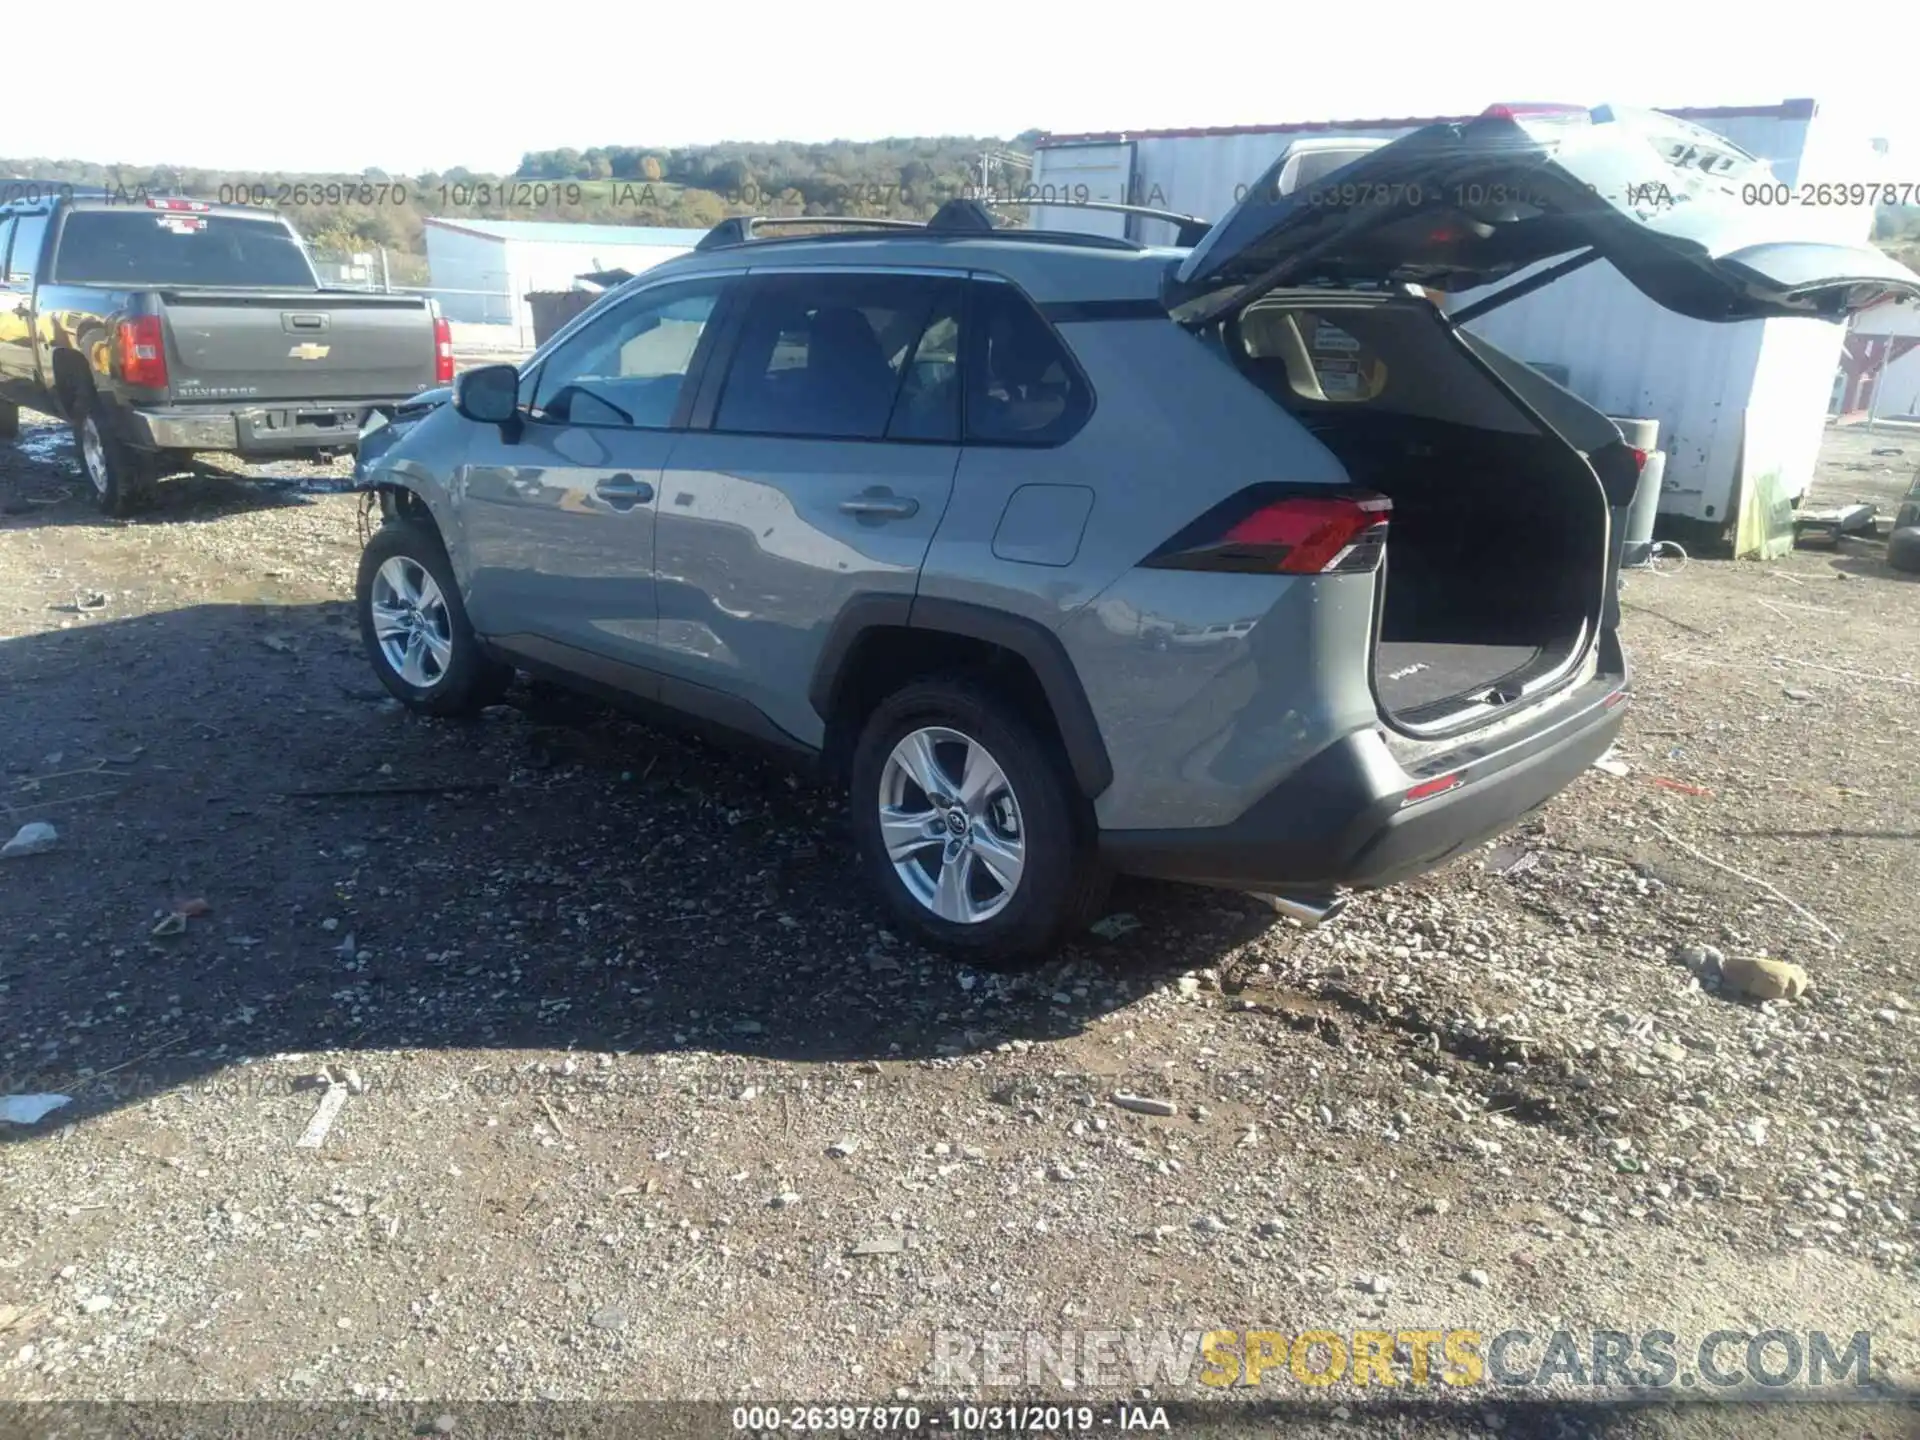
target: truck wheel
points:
(9, 421)
(415, 627)
(121, 475)
(969, 824)
(1903, 549)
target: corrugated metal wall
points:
(551, 265)
(469, 276)
(1626, 355)
(1622, 352)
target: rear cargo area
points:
(1496, 554)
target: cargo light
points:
(1291, 534)
(197, 207)
(142, 352)
(442, 351)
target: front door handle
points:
(880, 504)
(623, 492)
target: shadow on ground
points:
(547, 876)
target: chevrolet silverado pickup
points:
(159, 327)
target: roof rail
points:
(1189, 230)
(738, 229)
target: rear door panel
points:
(765, 538)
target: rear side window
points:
(1022, 386)
(851, 357)
(6, 234)
(28, 232)
(141, 247)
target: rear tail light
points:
(142, 352)
(1284, 531)
(442, 351)
(1639, 460)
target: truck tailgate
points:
(314, 345)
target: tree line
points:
(693, 186)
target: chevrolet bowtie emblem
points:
(309, 351)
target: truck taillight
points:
(442, 351)
(1639, 460)
(1284, 531)
(142, 351)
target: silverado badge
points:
(308, 351)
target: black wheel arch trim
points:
(1027, 638)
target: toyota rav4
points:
(1237, 562)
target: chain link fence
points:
(492, 321)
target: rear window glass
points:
(146, 247)
(1022, 387)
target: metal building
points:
(1741, 407)
(481, 271)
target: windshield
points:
(141, 247)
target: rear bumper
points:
(1342, 819)
(282, 428)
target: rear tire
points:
(415, 627)
(9, 421)
(1010, 812)
(1903, 549)
(122, 477)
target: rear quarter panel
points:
(1207, 687)
(80, 320)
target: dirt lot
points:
(646, 1103)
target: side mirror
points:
(489, 395)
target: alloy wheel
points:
(411, 622)
(952, 825)
(93, 453)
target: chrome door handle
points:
(623, 491)
(881, 505)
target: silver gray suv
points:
(1238, 562)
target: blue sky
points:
(244, 85)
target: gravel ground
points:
(633, 1096)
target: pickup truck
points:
(159, 327)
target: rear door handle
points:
(881, 505)
(623, 492)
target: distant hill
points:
(693, 186)
(1896, 230)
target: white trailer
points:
(1741, 406)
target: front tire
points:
(968, 823)
(415, 627)
(122, 476)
